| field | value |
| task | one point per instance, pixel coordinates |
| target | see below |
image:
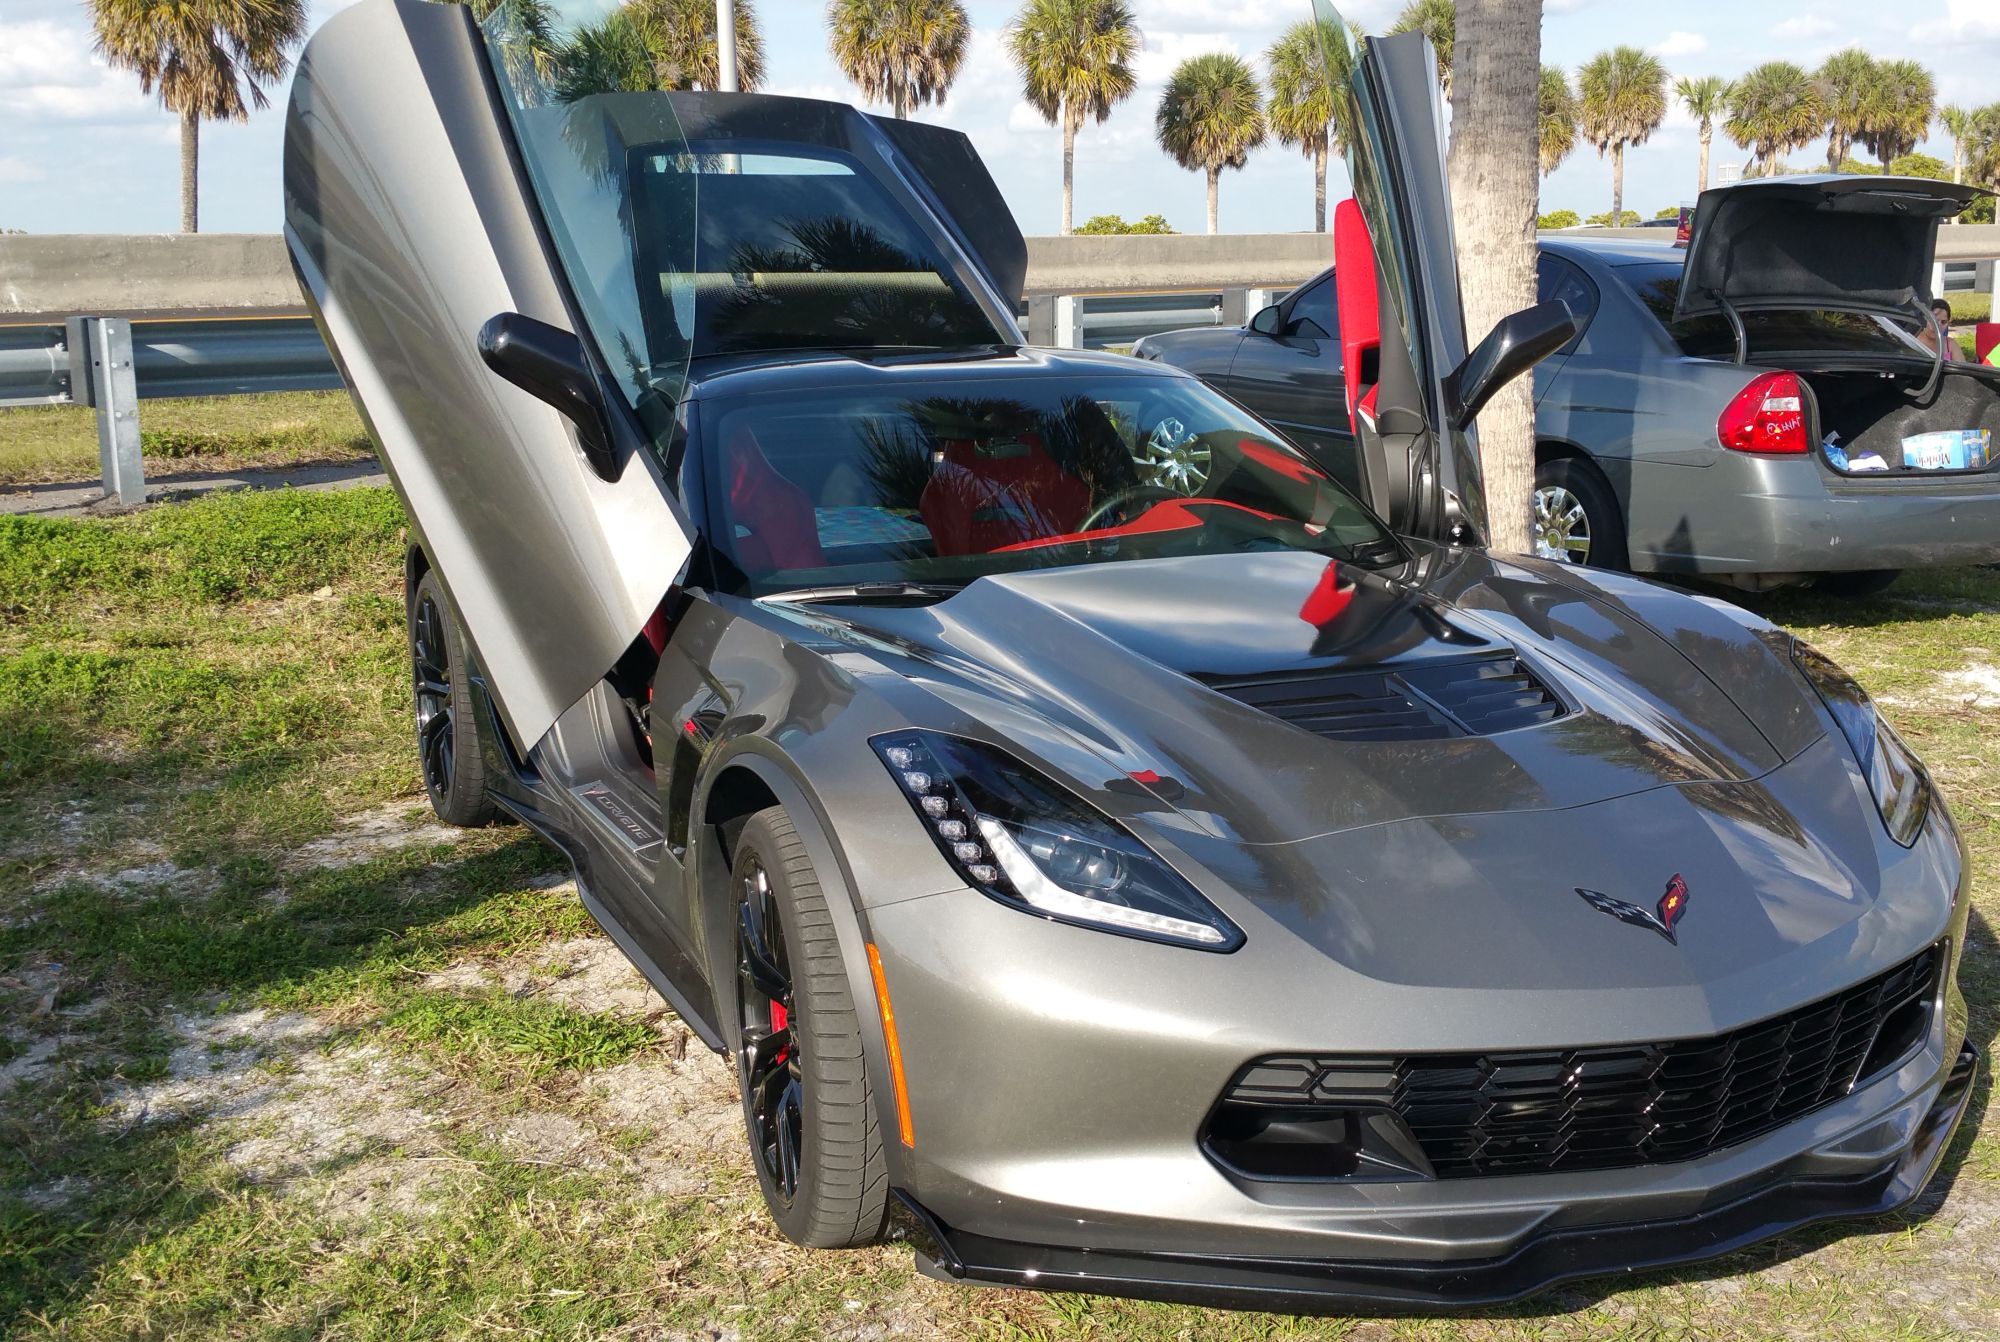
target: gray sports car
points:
(1113, 857)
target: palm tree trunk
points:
(190, 164)
(1069, 172)
(1707, 136)
(1319, 187)
(1835, 151)
(1496, 73)
(1617, 183)
(1214, 195)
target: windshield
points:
(1658, 285)
(959, 478)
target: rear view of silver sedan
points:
(1756, 408)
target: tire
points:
(1857, 584)
(801, 1068)
(448, 749)
(1572, 488)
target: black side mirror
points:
(1268, 322)
(1516, 344)
(548, 363)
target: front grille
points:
(1602, 1108)
(1467, 697)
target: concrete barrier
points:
(59, 274)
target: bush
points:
(1559, 219)
(1626, 219)
(1115, 224)
(1969, 308)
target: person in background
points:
(1938, 334)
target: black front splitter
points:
(1320, 1286)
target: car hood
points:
(1128, 669)
(1820, 243)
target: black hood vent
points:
(1429, 702)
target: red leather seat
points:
(981, 499)
(777, 514)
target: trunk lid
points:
(1825, 243)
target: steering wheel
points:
(1118, 501)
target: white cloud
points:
(1563, 6)
(1805, 27)
(48, 72)
(1680, 43)
(19, 170)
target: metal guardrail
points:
(234, 356)
(113, 363)
(196, 356)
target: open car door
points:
(1420, 473)
(411, 226)
(515, 270)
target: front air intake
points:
(1432, 701)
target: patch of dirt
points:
(587, 974)
(689, 1113)
(372, 833)
(1976, 685)
(219, 1069)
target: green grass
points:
(209, 687)
(43, 444)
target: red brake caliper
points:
(780, 1018)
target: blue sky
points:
(84, 151)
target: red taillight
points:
(1769, 415)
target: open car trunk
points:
(1870, 423)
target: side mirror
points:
(1267, 322)
(1516, 344)
(548, 363)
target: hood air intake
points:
(1430, 702)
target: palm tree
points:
(1075, 59)
(1496, 104)
(1847, 87)
(1900, 111)
(526, 32)
(1957, 123)
(207, 59)
(1621, 100)
(1706, 98)
(1437, 20)
(609, 56)
(902, 52)
(1211, 116)
(1305, 103)
(1555, 121)
(681, 36)
(1774, 109)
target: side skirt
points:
(604, 912)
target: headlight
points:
(1902, 789)
(1029, 842)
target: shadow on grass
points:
(259, 935)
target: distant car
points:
(1826, 444)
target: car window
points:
(1559, 279)
(1312, 313)
(950, 479)
(1658, 286)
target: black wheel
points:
(447, 736)
(1859, 583)
(806, 1096)
(1576, 516)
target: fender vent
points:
(1430, 702)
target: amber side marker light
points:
(904, 1129)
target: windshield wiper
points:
(873, 593)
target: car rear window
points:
(1658, 285)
